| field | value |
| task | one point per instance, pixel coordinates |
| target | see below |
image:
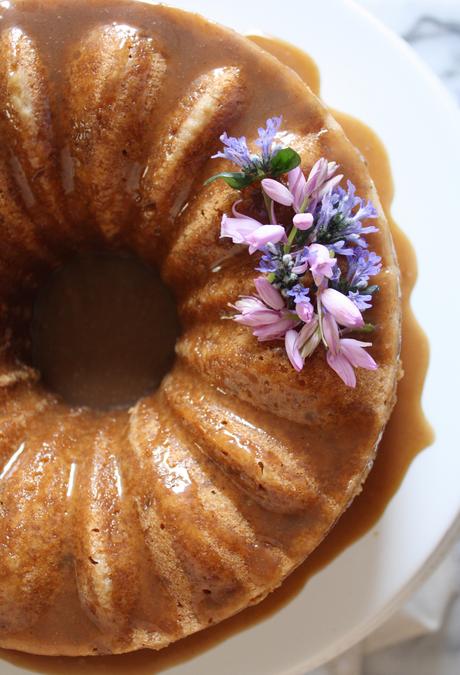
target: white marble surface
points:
(432, 28)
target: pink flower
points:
(277, 330)
(344, 310)
(237, 228)
(304, 310)
(309, 338)
(321, 263)
(253, 312)
(303, 221)
(269, 294)
(264, 235)
(297, 186)
(267, 314)
(343, 355)
(246, 230)
(331, 332)
(320, 181)
(300, 345)
(292, 349)
(351, 354)
(277, 191)
(301, 190)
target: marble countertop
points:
(432, 28)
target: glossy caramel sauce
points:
(103, 331)
(405, 436)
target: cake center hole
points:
(103, 331)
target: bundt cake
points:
(129, 528)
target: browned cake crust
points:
(131, 529)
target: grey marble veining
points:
(437, 41)
(431, 27)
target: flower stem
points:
(303, 206)
(320, 320)
(292, 234)
(367, 328)
(270, 207)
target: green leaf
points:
(285, 160)
(236, 179)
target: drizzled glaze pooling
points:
(140, 662)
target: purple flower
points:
(327, 221)
(299, 293)
(361, 266)
(321, 263)
(266, 313)
(340, 248)
(269, 260)
(252, 165)
(362, 301)
(339, 218)
(301, 261)
(343, 355)
(326, 211)
(303, 305)
(344, 310)
(267, 137)
(336, 274)
(348, 201)
(281, 265)
(236, 150)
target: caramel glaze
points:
(405, 436)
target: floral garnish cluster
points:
(315, 266)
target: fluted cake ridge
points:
(128, 529)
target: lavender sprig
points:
(273, 161)
(339, 219)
